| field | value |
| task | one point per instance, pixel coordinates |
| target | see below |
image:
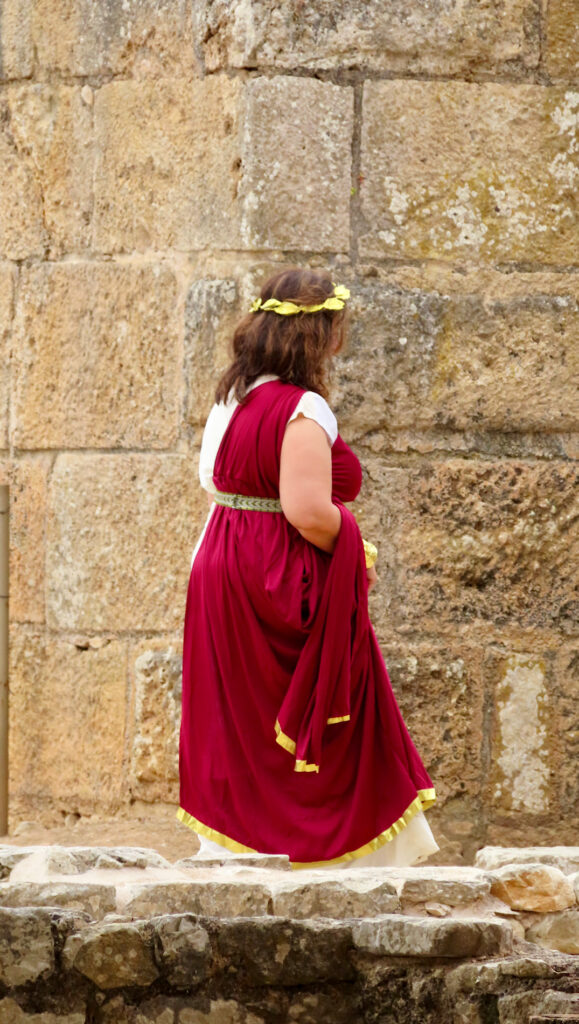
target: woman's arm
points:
(305, 483)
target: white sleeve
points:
(316, 408)
(215, 427)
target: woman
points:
(291, 739)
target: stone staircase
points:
(119, 935)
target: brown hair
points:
(294, 347)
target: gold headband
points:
(334, 301)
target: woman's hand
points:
(305, 483)
(372, 577)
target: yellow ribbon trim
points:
(287, 308)
(423, 800)
(290, 745)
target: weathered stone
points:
(16, 51)
(471, 536)
(26, 945)
(7, 284)
(521, 762)
(155, 721)
(537, 887)
(566, 858)
(74, 860)
(12, 1013)
(9, 857)
(112, 955)
(561, 43)
(212, 310)
(517, 1008)
(267, 951)
(51, 127)
(437, 909)
(212, 898)
(95, 356)
(490, 976)
(452, 885)
(96, 900)
(169, 158)
(566, 743)
(316, 897)
(22, 229)
(77, 37)
(399, 935)
(28, 487)
(166, 1009)
(316, 178)
(184, 950)
(515, 201)
(557, 931)
(263, 861)
(371, 36)
(119, 506)
(76, 758)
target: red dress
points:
(291, 739)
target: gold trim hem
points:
(288, 744)
(424, 799)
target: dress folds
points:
(291, 739)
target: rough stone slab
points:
(513, 202)
(155, 719)
(109, 509)
(22, 229)
(372, 36)
(207, 897)
(95, 355)
(184, 950)
(7, 285)
(263, 861)
(12, 1013)
(518, 1007)
(313, 179)
(491, 976)
(16, 50)
(51, 129)
(96, 900)
(77, 755)
(112, 955)
(566, 858)
(561, 44)
(451, 885)
(9, 857)
(557, 931)
(74, 860)
(185, 1009)
(537, 887)
(169, 158)
(26, 945)
(334, 899)
(28, 491)
(399, 935)
(212, 310)
(78, 37)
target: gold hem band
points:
(422, 801)
(290, 745)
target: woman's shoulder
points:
(314, 406)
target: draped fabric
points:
(291, 739)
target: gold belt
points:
(245, 501)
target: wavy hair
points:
(296, 348)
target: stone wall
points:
(157, 160)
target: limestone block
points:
(447, 885)
(566, 858)
(184, 951)
(187, 1009)
(492, 976)
(561, 44)
(52, 130)
(557, 931)
(169, 159)
(399, 935)
(440, 694)
(566, 740)
(26, 946)
(112, 955)
(22, 228)
(96, 900)
(28, 488)
(262, 861)
(212, 309)
(74, 860)
(488, 542)
(16, 52)
(77, 37)
(313, 897)
(303, 201)
(521, 756)
(212, 898)
(9, 857)
(7, 285)
(119, 539)
(514, 201)
(155, 721)
(518, 1007)
(372, 36)
(537, 887)
(66, 738)
(267, 951)
(96, 350)
(12, 1013)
